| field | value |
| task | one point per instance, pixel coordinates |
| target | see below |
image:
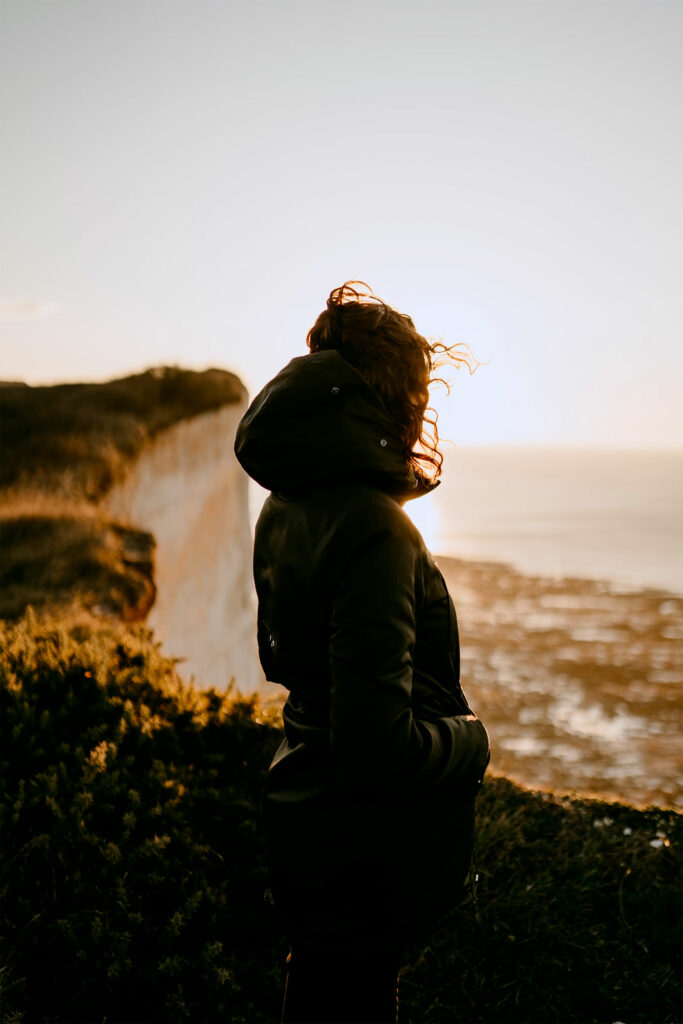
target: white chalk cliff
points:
(188, 490)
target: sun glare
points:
(424, 514)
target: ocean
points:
(615, 516)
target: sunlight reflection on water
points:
(572, 714)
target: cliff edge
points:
(125, 499)
(187, 489)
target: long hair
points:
(385, 347)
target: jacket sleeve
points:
(377, 742)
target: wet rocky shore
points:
(578, 681)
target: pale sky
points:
(185, 182)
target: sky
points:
(185, 182)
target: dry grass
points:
(76, 440)
(55, 562)
(63, 449)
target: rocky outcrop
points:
(187, 489)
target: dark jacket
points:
(370, 798)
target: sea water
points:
(595, 514)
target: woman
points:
(369, 808)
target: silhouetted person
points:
(370, 803)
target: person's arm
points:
(377, 743)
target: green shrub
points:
(132, 868)
(579, 918)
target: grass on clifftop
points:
(133, 872)
(76, 440)
(63, 448)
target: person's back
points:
(369, 810)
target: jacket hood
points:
(319, 422)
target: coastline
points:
(575, 679)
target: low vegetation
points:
(133, 872)
(66, 559)
(132, 867)
(579, 918)
(63, 448)
(76, 440)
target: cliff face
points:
(187, 489)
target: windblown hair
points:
(384, 346)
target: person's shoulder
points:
(368, 511)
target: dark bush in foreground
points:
(132, 869)
(579, 918)
(133, 873)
